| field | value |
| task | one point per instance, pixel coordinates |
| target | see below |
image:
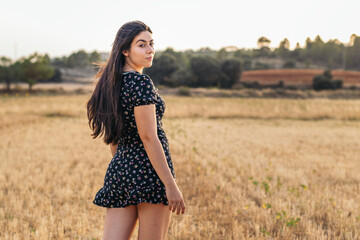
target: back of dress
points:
(130, 177)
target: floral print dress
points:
(130, 177)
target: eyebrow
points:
(144, 40)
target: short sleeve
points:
(143, 92)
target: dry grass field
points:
(248, 168)
(298, 76)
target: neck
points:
(128, 67)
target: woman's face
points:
(141, 52)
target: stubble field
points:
(247, 168)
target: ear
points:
(125, 53)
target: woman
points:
(127, 109)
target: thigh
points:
(120, 223)
(154, 221)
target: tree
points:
(263, 42)
(94, 57)
(243, 54)
(181, 58)
(205, 51)
(58, 62)
(55, 78)
(283, 50)
(182, 77)
(207, 72)
(285, 44)
(352, 39)
(297, 52)
(308, 43)
(221, 55)
(77, 59)
(264, 45)
(317, 49)
(36, 67)
(232, 68)
(332, 53)
(353, 53)
(7, 71)
(162, 68)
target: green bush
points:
(281, 84)
(289, 64)
(324, 81)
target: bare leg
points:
(154, 221)
(120, 223)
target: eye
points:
(152, 44)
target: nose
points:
(150, 49)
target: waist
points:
(136, 140)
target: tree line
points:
(40, 68)
(331, 54)
(223, 68)
(201, 68)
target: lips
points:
(149, 58)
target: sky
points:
(59, 28)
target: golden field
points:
(247, 168)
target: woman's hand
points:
(175, 198)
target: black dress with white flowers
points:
(130, 177)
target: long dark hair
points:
(103, 106)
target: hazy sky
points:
(61, 27)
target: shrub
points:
(338, 83)
(281, 84)
(184, 91)
(289, 64)
(253, 84)
(292, 87)
(324, 81)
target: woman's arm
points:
(113, 148)
(145, 117)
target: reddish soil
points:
(298, 76)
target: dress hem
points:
(127, 205)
